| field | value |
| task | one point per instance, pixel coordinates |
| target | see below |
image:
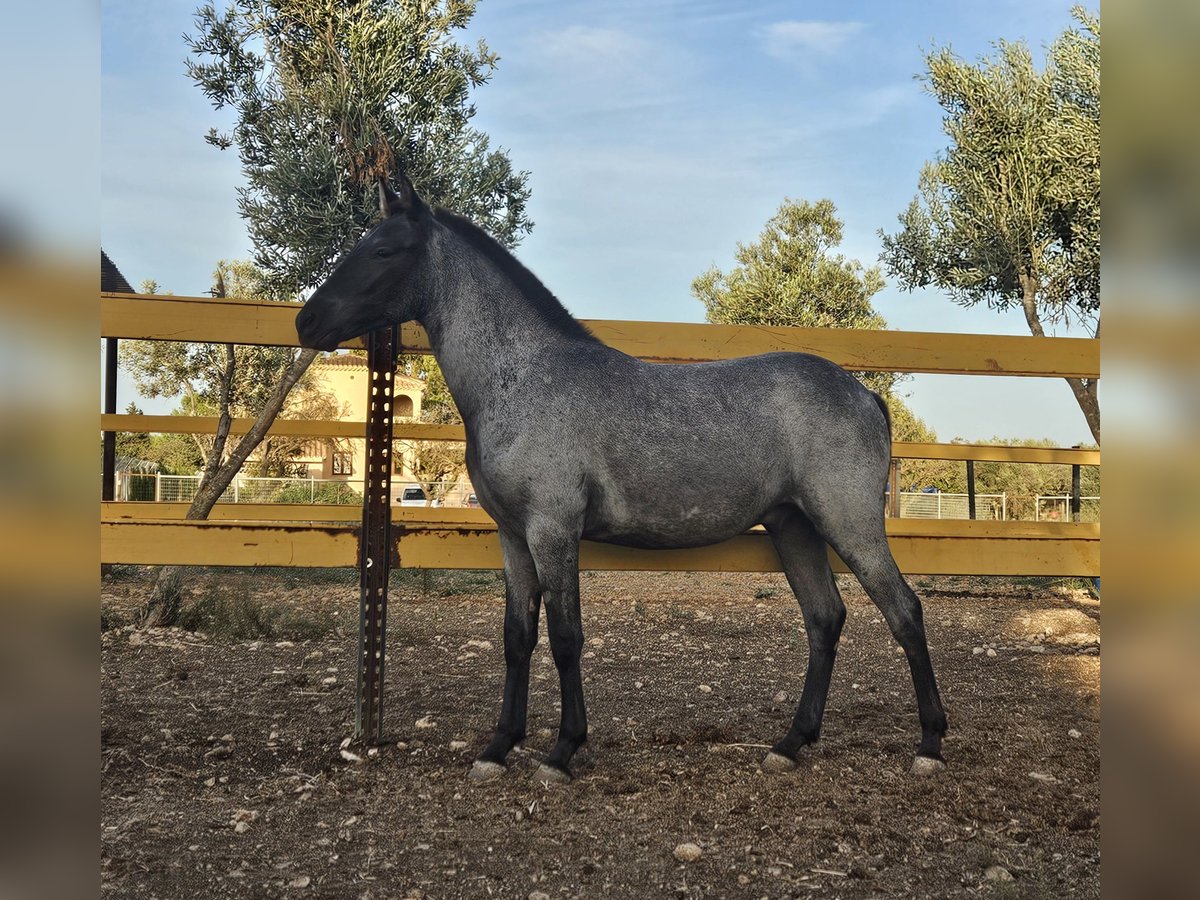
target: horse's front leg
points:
(522, 603)
(557, 558)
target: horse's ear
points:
(395, 202)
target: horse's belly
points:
(669, 526)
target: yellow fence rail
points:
(290, 535)
(167, 318)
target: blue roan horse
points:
(568, 439)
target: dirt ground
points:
(225, 775)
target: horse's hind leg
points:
(556, 554)
(805, 561)
(865, 550)
(522, 602)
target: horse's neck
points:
(488, 338)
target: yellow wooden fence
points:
(319, 535)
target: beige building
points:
(345, 377)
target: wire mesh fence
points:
(952, 506)
(137, 486)
(150, 487)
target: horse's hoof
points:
(777, 763)
(547, 774)
(485, 770)
(925, 766)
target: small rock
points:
(688, 852)
(780, 697)
(997, 873)
(1074, 733)
(743, 880)
(482, 645)
(1043, 776)
(332, 679)
(242, 818)
(300, 881)
(458, 745)
(991, 652)
(596, 642)
(350, 757)
(538, 895)
(426, 722)
(976, 651)
(218, 753)
(283, 644)
(705, 689)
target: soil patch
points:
(224, 770)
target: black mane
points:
(527, 283)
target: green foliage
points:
(1022, 482)
(325, 492)
(1009, 214)
(1017, 193)
(134, 445)
(792, 276)
(197, 371)
(436, 401)
(168, 368)
(329, 96)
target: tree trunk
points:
(1084, 389)
(163, 606)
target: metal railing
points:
(938, 505)
(163, 488)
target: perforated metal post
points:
(375, 542)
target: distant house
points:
(346, 377)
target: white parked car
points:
(411, 495)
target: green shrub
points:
(325, 492)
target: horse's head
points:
(368, 289)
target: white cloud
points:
(792, 40)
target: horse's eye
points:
(383, 252)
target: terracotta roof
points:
(354, 361)
(111, 278)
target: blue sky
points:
(657, 135)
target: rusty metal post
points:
(375, 544)
(108, 466)
(1076, 501)
(894, 493)
(971, 488)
